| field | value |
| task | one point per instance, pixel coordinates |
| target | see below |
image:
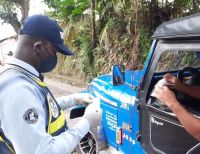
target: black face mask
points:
(48, 64)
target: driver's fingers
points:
(168, 76)
(157, 92)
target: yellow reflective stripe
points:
(50, 118)
(2, 140)
(40, 82)
(57, 124)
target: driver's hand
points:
(165, 95)
(174, 83)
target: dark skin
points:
(33, 50)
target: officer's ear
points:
(37, 46)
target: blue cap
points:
(43, 27)
(197, 54)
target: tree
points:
(9, 12)
(94, 39)
(67, 10)
(122, 31)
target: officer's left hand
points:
(80, 98)
(93, 113)
(83, 99)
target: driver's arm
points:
(189, 122)
(193, 91)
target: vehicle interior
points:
(185, 66)
(163, 124)
(176, 52)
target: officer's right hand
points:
(93, 113)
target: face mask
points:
(48, 64)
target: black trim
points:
(185, 28)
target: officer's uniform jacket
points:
(31, 120)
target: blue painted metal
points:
(119, 105)
(153, 46)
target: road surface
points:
(61, 89)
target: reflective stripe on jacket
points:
(56, 117)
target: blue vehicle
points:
(135, 123)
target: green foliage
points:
(144, 44)
(10, 12)
(68, 10)
(86, 56)
(123, 29)
(5, 8)
(176, 60)
(188, 59)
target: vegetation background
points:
(102, 32)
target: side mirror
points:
(118, 75)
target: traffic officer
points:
(31, 119)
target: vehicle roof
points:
(186, 27)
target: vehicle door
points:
(160, 130)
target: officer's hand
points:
(82, 99)
(79, 99)
(93, 113)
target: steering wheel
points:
(194, 73)
(185, 99)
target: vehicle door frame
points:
(162, 46)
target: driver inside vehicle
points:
(165, 94)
